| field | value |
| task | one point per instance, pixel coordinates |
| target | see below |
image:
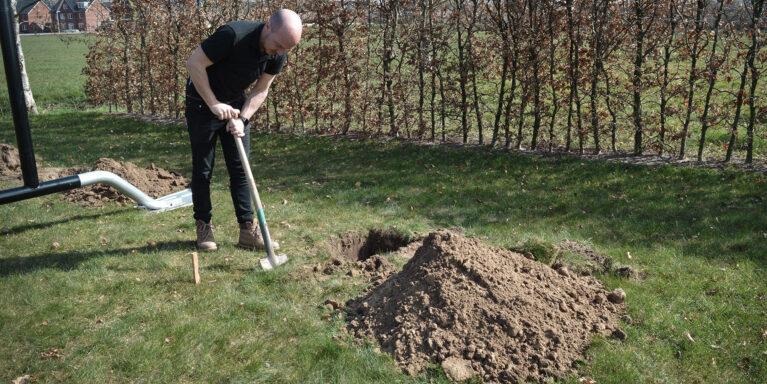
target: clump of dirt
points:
(484, 311)
(9, 161)
(630, 273)
(154, 181)
(10, 166)
(356, 253)
(582, 259)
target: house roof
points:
(25, 5)
(56, 5)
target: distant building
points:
(62, 15)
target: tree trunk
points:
(757, 14)
(572, 64)
(472, 65)
(598, 18)
(713, 70)
(738, 109)
(611, 110)
(552, 72)
(390, 32)
(636, 79)
(747, 65)
(462, 76)
(664, 99)
(694, 53)
(535, 64)
(29, 99)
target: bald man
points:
(238, 55)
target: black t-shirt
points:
(237, 60)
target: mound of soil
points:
(154, 181)
(484, 311)
(9, 161)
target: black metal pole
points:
(16, 93)
(45, 188)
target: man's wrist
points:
(245, 121)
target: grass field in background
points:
(115, 302)
(54, 65)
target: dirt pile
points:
(9, 161)
(154, 181)
(484, 311)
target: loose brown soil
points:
(493, 312)
(154, 181)
(9, 162)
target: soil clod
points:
(9, 161)
(617, 296)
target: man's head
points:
(282, 32)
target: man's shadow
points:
(30, 227)
(72, 259)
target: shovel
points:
(271, 259)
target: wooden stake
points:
(196, 266)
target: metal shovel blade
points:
(267, 265)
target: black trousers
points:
(204, 130)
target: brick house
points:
(62, 15)
(34, 16)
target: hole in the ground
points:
(359, 246)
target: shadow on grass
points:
(30, 227)
(708, 213)
(72, 259)
(72, 138)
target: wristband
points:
(245, 121)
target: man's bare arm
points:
(196, 65)
(257, 96)
(252, 104)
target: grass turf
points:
(54, 64)
(121, 309)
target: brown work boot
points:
(205, 240)
(250, 237)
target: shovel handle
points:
(257, 200)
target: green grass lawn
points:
(118, 309)
(54, 65)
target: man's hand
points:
(224, 111)
(236, 128)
